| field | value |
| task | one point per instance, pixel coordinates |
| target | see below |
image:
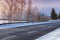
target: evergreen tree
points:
(53, 14)
(59, 16)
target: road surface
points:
(28, 32)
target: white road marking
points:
(32, 32)
(8, 37)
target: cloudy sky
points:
(45, 5)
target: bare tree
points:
(22, 5)
(35, 14)
(38, 17)
(3, 14)
(29, 10)
(9, 2)
(13, 7)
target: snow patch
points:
(54, 35)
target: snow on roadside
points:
(54, 35)
(58, 20)
(21, 24)
(25, 24)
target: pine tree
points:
(59, 16)
(53, 14)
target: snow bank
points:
(21, 24)
(54, 35)
(6, 21)
(24, 24)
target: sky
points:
(45, 6)
(47, 3)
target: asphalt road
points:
(28, 32)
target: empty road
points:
(28, 32)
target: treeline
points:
(54, 15)
(12, 9)
(16, 11)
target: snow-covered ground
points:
(21, 24)
(3, 21)
(6, 21)
(24, 24)
(54, 35)
(58, 20)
